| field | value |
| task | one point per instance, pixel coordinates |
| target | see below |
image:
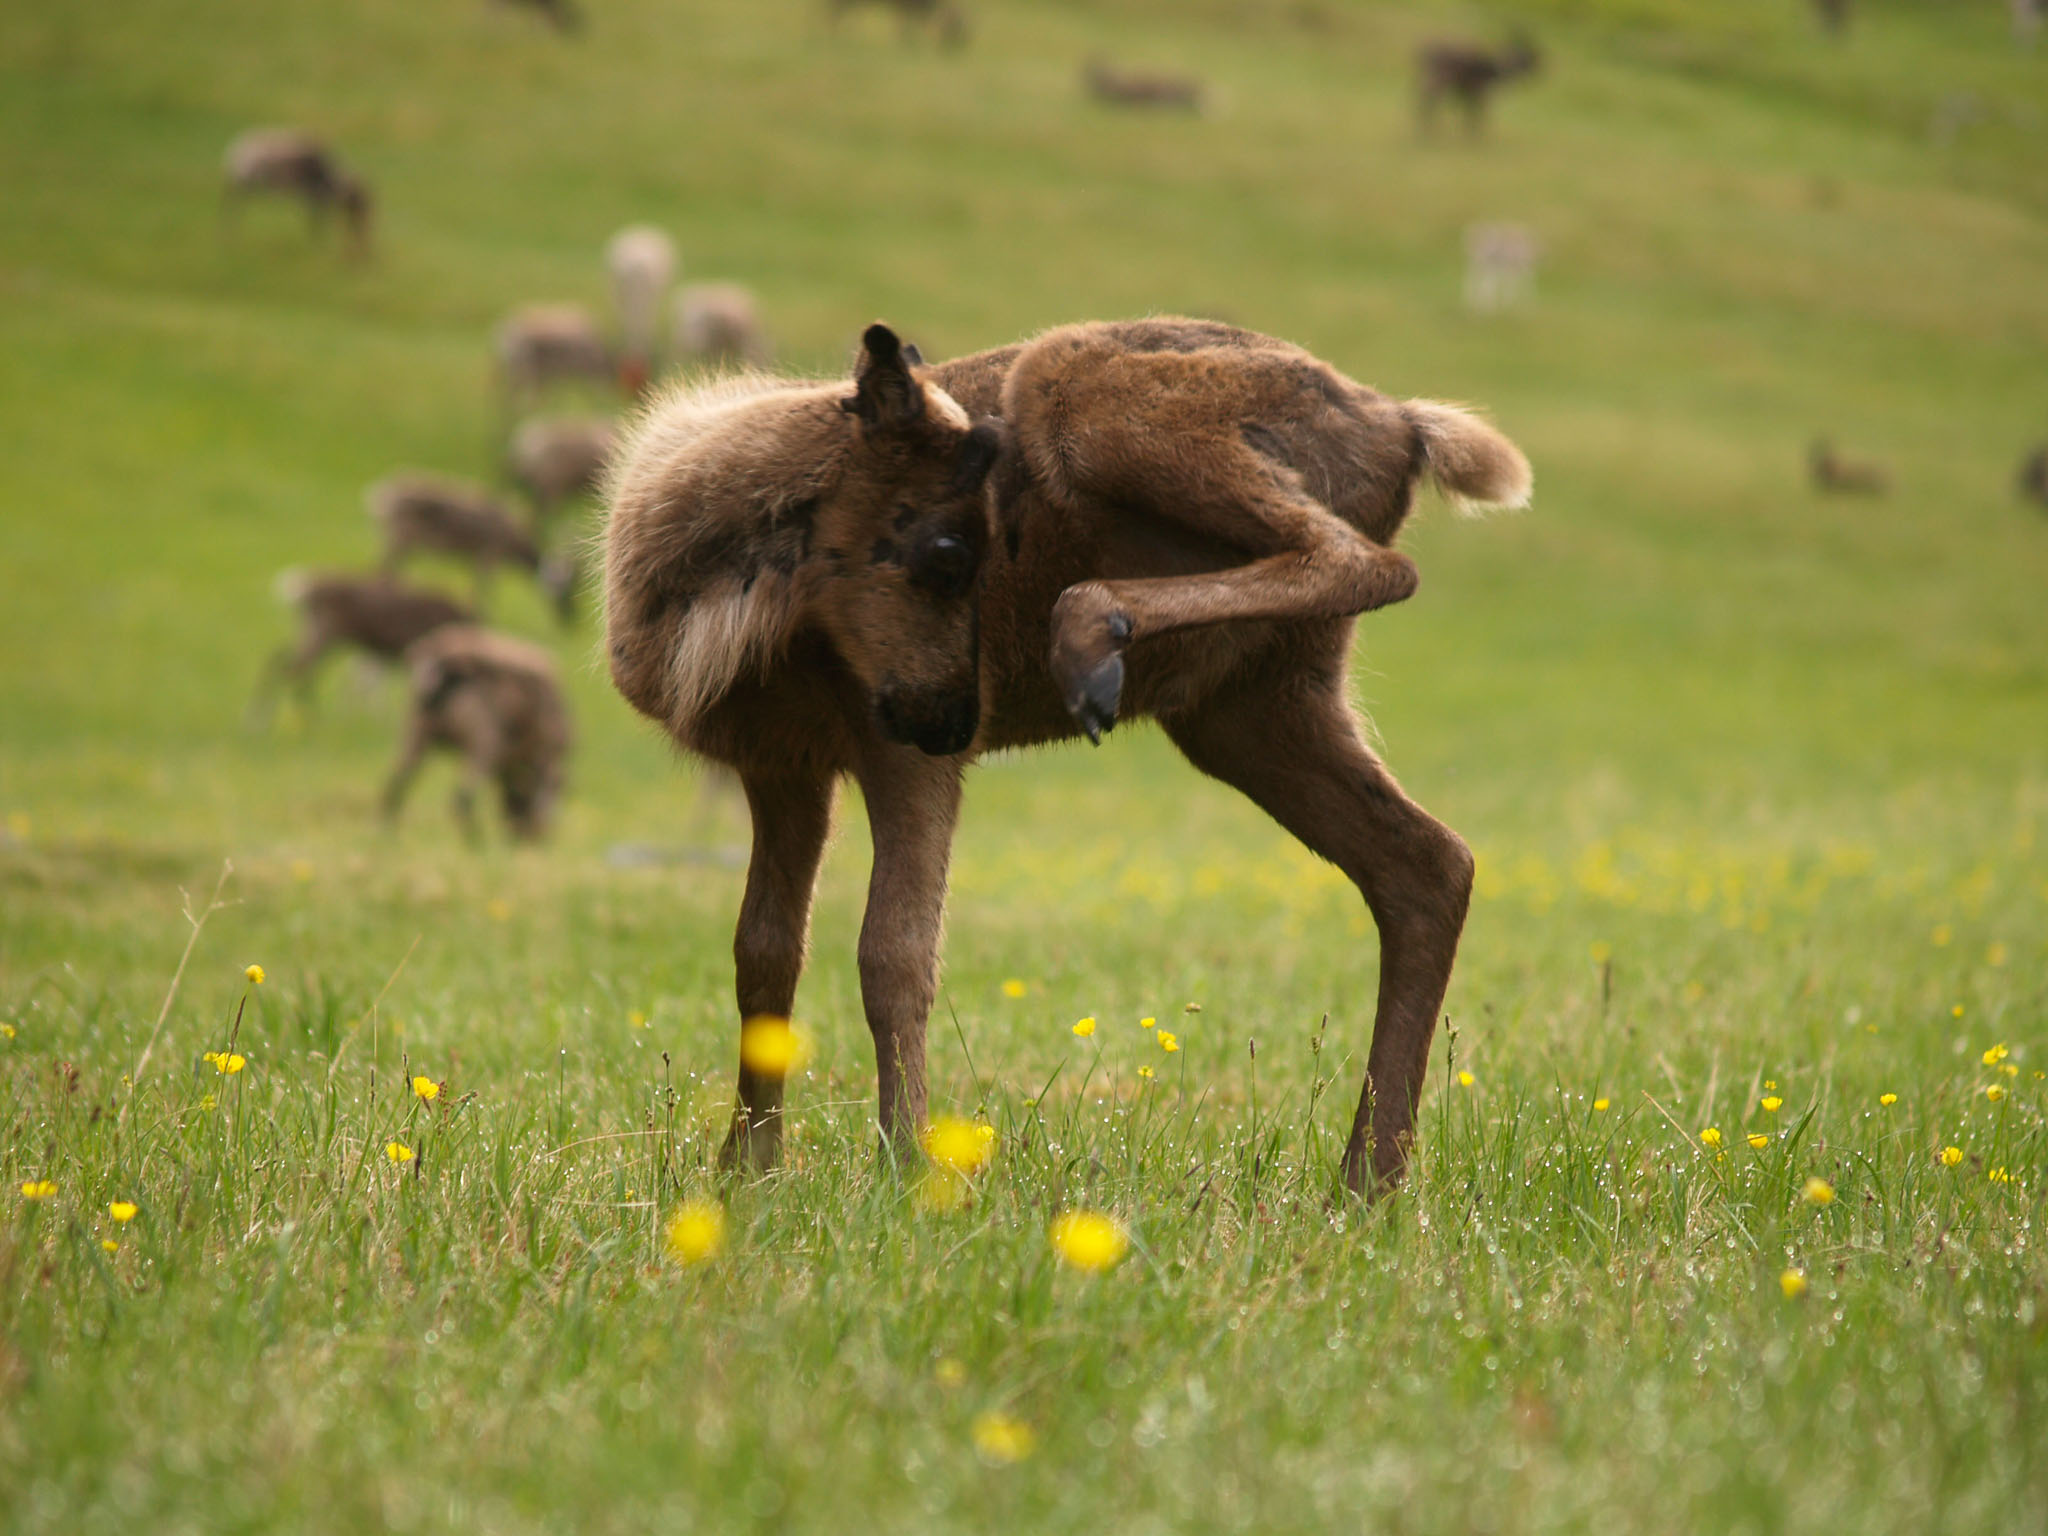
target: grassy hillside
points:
(1759, 781)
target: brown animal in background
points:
(544, 344)
(371, 613)
(498, 702)
(641, 261)
(2033, 478)
(947, 21)
(1137, 88)
(294, 163)
(720, 325)
(1833, 14)
(1172, 518)
(555, 458)
(1831, 472)
(563, 15)
(451, 517)
(1470, 73)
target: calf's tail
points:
(1471, 462)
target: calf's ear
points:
(884, 393)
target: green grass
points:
(1759, 784)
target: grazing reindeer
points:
(718, 324)
(947, 21)
(564, 15)
(1832, 472)
(448, 517)
(1470, 73)
(1136, 88)
(543, 343)
(498, 702)
(371, 613)
(1500, 262)
(2033, 479)
(642, 263)
(554, 458)
(285, 160)
(1171, 518)
(1833, 14)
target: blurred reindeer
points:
(2026, 21)
(564, 15)
(498, 702)
(2033, 478)
(295, 164)
(946, 20)
(370, 613)
(543, 343)
(718, 324)
(448, 517)
(1836, 475)
(555, 458)
(1470, 73)
(1834, 16)
(1134, 88)
(1500, 266)
(642, 263)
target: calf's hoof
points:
(1092, 701)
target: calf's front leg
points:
(913, 801)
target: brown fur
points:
(1469, 74)
(450, 517)
(1141, 88)
(371, 613)
(1172, 518)
(2033, 477)
(1855, 477)
(295, 164)
(497, 702)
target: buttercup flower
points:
(1168, 1040)
(1887, 1099)
(255, 975)
(1148, 1023)
(1466, 1079)
(1089, 1240)
(1793, 1283)
(770, 1046)
(1771, 1104)
(123, 1211)
(1599, 1106)
(949, 1373)
(1996, 1054)
(110, 1245)
(398, 1152)
(697, 1232)
(1085, 1027)
(1818, 1191)
(637, 1018)
(1710, 1137)
(1013, 988)
(6, 1031)
(1002, 1439)
(1758, 1141)
(959, 1145)
(1995, 1092)
(39, 1189)
(1950, 1156)
(1998, 1175)
(426, 1089)
(226, 1062)
(1145, 1072)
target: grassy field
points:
(1758, 780)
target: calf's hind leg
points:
(792, 814)
(1295, 749)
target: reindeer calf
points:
(554, 458)
(1135, 88)
(450, 517)
(294, 163)
(543, 344)
(1834, 474)
(947, 21)
(719, 324)
(498, 703)
(1469, 74)
(371, 613)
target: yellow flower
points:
(1089, 1240)
(1956, 1012)
(110, 1245)
(498, 909)
(697, 1233)
(1995, 955)
(1887, 1099)
(949, 1373)
(1758, 1141)
(1950, 1156)
(959, 1145)
(225, 1061)
(1466, 1079)
(1771, 1104)
(1013, 987)
(398, 1151)
(1793, 1283)
(1148, 1023)
(1770, 1085)
(206, 1103)
(6, 1031)
(1168, 1040)
(637, 1018)
(1710, 1137)
(255, 975)
(1145, 1072)
(425, 1088)
(1818, 1191)
(770, 1046)
(1996, 1054)
(123, 1211)
(1599, 1106)
(1085, 1027)
(302, 870)
(1941, 935)
(39, 1189)
(1998, 1175)
(1001, 1439)
(1995, 1092)
(1191, 1008)
(1601, 951)
(943, 1190)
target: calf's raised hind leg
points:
(792, 815)
(1293, 746)
(913, 801)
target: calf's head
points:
(910, 530)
